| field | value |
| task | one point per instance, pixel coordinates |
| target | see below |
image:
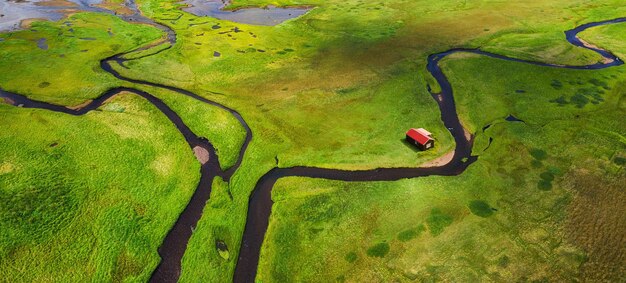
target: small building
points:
(421, 138)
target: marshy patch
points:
(592, 93)
(351, 257)
(378, 250)
(561, 101)
(216, 54)
(504, 261)
(538, 154)
(544, 185)
(481, 208)
(411, 234)
(437, 221)
(548, 176)
(222, 249)
(599, 83)
(556, 84)
(44, 84)
(618, 160)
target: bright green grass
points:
(91, 197)
(68, 73)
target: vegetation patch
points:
(378, 250)
(480, 208)
(410, 234)
(538, 154)
(544, 185)
(504, 261)
(556, 84)
(351, 257)
(547, 176)
(438, 221)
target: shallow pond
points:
(13, 12)
(269, 16)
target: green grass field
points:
(91, 198)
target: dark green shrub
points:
(350, 257)
(547, 176)
(480, 208)
(539, 154)
(438, 221)
(544, 185)
(410, 234)
(378, 250)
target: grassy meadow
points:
(89, 198)
(335, 88)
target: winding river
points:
(260, 203)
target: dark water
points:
(512, 118)
(255, 16)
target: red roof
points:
(418, 136)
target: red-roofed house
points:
(420, 138)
